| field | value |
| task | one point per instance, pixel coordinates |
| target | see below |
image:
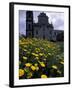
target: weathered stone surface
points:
(42, 29)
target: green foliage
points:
(41, 58)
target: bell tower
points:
(29, 24)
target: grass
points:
(40, 58)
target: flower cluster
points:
(40, 58)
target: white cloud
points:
(57, 19)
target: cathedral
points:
(42, 29)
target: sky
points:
(56, 18)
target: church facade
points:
(42, 29)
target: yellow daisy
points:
(41, 54)
(43, 76)
(42, 64)
(25, 58)
(34, 54)
(54, 67)
(21, 72)
(33, 68)
(25, 50)
(37, 58)
(44, 59)
(36, 64)
(61, 62)
(28, 64)
(37, 68)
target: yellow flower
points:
(54, 67)
(62, 62)
(42, 64)
(49, 53)
(25, 46)
(59, 71)
(37, 68)
(25, 58)
(37, 58)
(43, 76)
(36, 64)
(33, 68)
(25, 50)
(44, 59)
(37, 49)
(41, 54)
(21, 72)
(34, 54)
(28, 64)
